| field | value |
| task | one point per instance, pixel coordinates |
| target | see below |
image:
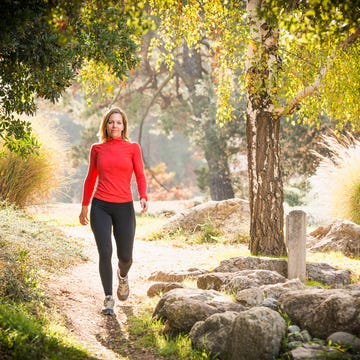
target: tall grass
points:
(33, 179)
(336, 184)
(29, 252)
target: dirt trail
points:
(78, 292)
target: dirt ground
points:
(78, 292)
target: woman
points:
(113, 161)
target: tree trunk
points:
(212, 142)
(265, 179)
(217, 156)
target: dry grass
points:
(337, 180)
(33, 180)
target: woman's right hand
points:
(83, 217)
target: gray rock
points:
(257, 334)
(314, 352)
(342, 235)
(231, 216)
(176, 276)
(271, 303)
(162, 288)
(213, 333)
(250, 297)
(251, 263)
(182, 308)
(327, 274)
(214, 281)
(318, 272)
(251, 278)
(293, 329)
(345, 339)
(323, 312)
(275, 290)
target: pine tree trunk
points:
(265, 179)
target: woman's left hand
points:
(144, 205)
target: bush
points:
(31, 180)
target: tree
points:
(43, 46)
(280, 37)
(184, 99)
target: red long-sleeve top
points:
(113, 163)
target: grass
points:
(340, 198)
(152, 333)
(31, 250)
(27, 322)
(27, 337)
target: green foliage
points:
(317, 284)
(18, 281)
(29, 250)
(43, 47)
(27, 244)
(151, 333)
(207, 233)
(23, 336)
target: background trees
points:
(280, 38)
(291, 63)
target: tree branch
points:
(309, 90)
(158, 92)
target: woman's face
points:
(115, 126)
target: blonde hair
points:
(103, 135)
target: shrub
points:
(32, 179)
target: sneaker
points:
(108, 308)
(123, 287)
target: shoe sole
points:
(107, 311)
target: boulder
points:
(318, 272)
(214, 280)
(182, 308)
(342, 235)
(256, 334)
(250, 263)
(323, 311)
(276, 290)
(251, 278)
(176, 276)
(250, 297)
(327, 274)
(315, 352)
(162, 288)
(345, 340)
(231, 216)
(212, 334)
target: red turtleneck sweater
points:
(113, 164)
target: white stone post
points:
(296, 243)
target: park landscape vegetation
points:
(292, 61)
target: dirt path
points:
(78, 292)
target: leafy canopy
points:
(318, 46)
(44, 44)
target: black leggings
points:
(105, 216)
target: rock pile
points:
(267, 316)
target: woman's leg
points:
(101, 224)
(124, 224)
